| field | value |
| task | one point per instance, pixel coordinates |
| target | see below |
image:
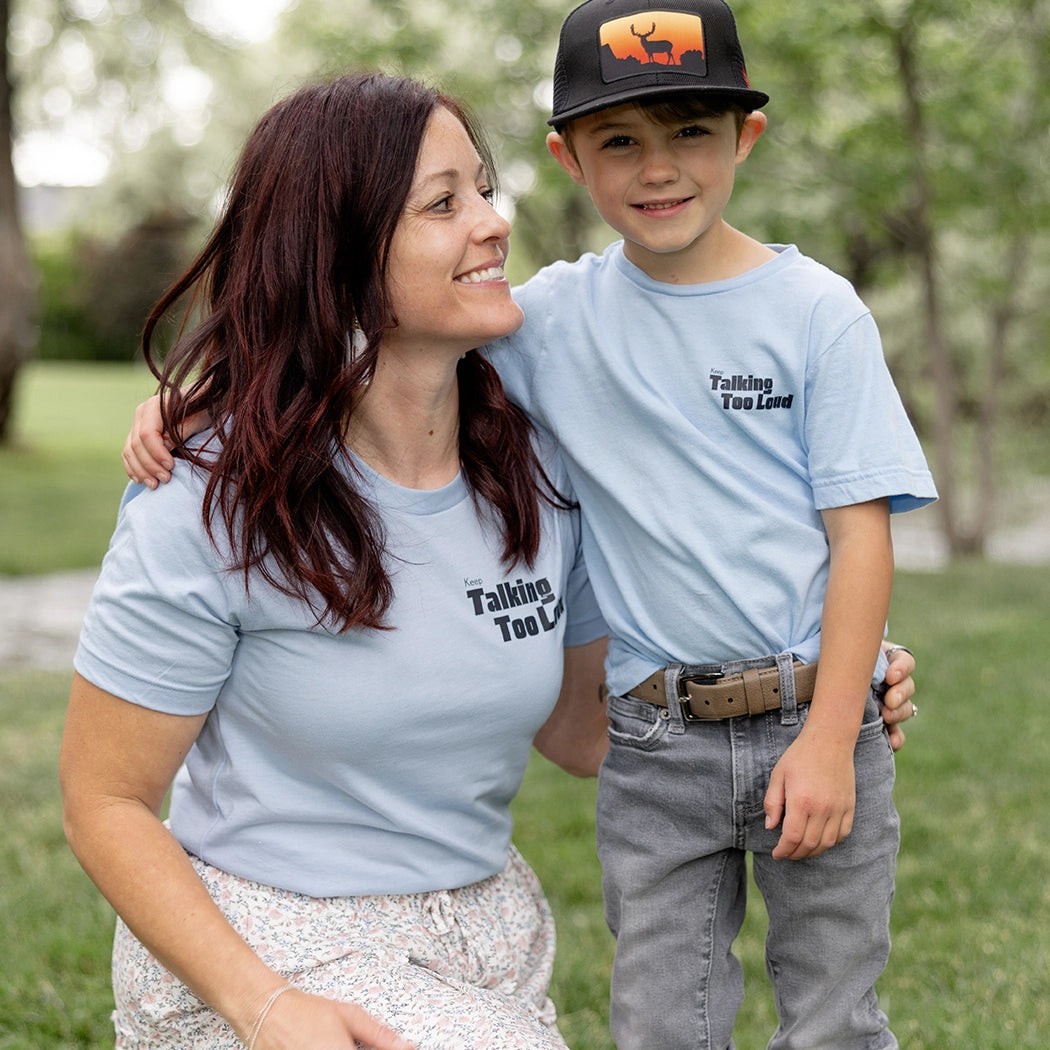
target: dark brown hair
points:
(296, 261)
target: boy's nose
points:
(658, 166)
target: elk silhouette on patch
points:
(655, 47)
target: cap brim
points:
(751, 100)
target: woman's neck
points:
(406, 427)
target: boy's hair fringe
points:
(668, 109)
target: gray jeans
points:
(679, 807)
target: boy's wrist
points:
(832, 730)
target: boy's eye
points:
(618, 142)
(693, 131)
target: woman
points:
(337, 631)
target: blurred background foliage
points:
(908, 148)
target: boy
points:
(737, 446)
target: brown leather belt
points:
(714, 696)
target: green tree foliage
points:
(143, 85)
(909, 149)
(136, 80)
(99, 290)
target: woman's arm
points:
(117, 761)
(575, 735)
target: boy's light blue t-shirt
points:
(704, 428)
(343, 764)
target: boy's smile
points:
(662, 186)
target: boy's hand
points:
(813, 789)
(147, 457)
(147, 451)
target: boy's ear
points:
(559, 150)
(754, 125)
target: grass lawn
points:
(971, 963)
(61, 480)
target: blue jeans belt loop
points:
(706, 696)
(788, 699)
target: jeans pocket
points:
(873, 727)
(634, 723)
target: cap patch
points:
(668, 41)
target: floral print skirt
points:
(463, 969)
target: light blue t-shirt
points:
(343, 764)
(704, 428)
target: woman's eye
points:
(445, 204)
(488, 194)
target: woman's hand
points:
(897, 705)
(298, 1021)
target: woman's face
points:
(445, 272)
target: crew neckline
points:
(406, 499)
(786, 255)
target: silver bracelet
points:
(274, 996)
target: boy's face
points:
(661, 185)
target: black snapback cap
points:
(616, 51)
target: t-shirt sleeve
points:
(161, 628)
(584, 622)
(861, 443)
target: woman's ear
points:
(560, 151)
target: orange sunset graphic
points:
(637, 43)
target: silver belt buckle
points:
(703, 678)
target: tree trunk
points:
(943, 372)
(16, 283)
(1007, 308)
(1002, 318)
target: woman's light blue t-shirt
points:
(342, 764)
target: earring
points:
(356, 343)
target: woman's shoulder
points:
(172, 512)
(185, 486)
